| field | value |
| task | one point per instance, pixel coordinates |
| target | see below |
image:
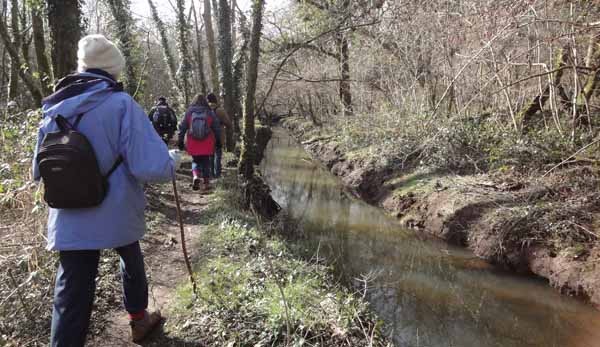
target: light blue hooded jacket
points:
(115, 125)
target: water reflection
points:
(429, 293)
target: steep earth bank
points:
(546, 226)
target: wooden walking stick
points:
(184, 249)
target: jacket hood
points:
(196, 108)
(78, 94)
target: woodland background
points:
(470, 86)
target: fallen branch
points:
(571, 157)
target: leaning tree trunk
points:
(64, 19)
(198, 53)
(164, 40)
(184, 71)
(226, 60)
(13, 84)
(124, 24)
(39, 43)
(13, 52)
(525, 117)
(212, 50)
(247, 156)
(257, 195)
(591, 83)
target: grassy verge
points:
(253, 291)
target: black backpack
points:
(69, 168)
(161, 118)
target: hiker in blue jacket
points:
(116, 126)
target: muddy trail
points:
(165, 265)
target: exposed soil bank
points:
(545, 226)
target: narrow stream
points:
(427, 292)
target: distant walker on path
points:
(200, 133)
(225, 123)
(164, 119)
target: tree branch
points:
(14, 55)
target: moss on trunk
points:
(525, 117)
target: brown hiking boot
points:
(141, 328)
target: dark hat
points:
(211, 97)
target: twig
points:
(571, 156)
(16, 285)
(15, 291)
(586, 230)
(437, 106)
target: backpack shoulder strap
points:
(62, 123)
(114, 167)
(76, 124)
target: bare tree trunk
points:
(26, 37)
(233, 31)
(311, 111)
(124, 23)
(184, 70)
(300, 104)
(212, 51)
(215, 11)
(64, 19)
(592, 60)
(199, 55)
(225, 60)
(248, 139)
(452, 91)
(170, 61)
(3, 65)
(39, 42)
(13, 84)
(238, 75)
(344, 86)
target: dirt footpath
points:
(165, 265)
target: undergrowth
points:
(469, 144)
(26, 269)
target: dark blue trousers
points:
(201, 166)
(217, 162)
(75, 287)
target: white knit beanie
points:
(97, 52)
